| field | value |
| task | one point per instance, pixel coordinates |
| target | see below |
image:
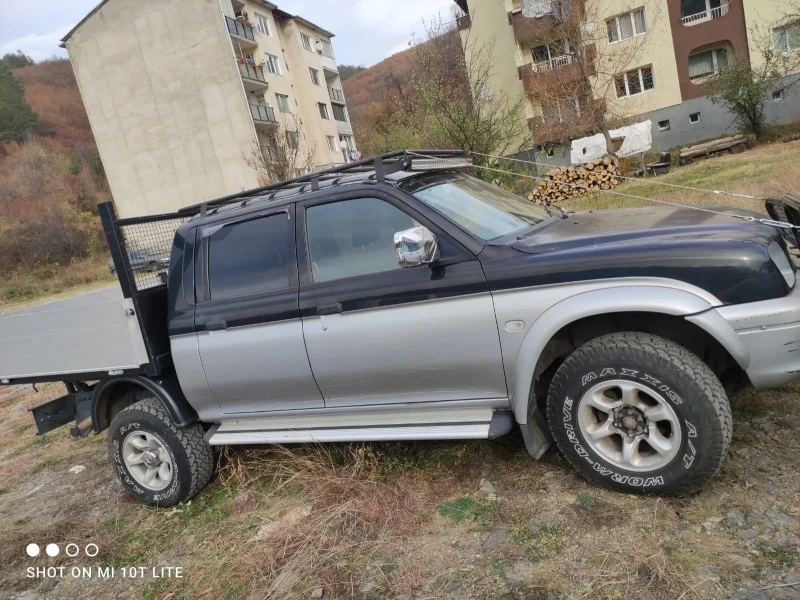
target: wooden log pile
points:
(735, 144)
(567, 183)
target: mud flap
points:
(536, 432)
(75, 406)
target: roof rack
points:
(382, 165)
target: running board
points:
(425, 424)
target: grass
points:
(19, 289)
(465, 509)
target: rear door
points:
(378, 334)
(250, 336)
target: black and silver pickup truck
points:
(398, 298)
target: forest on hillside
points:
(51, 180)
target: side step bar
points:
(453, 424)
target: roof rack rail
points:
(382, 165)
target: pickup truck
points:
(399, 298)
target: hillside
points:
(50, 184)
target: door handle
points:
(329, 309)
(216, 325)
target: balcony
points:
(262, 114)
(241, 31)
(336, 95)
(559, 72)
(252, 77)
(538, 20)
(706, 15)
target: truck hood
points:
(647, 226)
(711, 250)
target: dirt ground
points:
(405, 521)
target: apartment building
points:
(182, 95)
(645, 59)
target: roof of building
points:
(276, 11)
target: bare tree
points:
(282, 151)
(579, 74)
(452, 97)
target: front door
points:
(249, 332)
(376, 333)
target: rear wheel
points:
(640, 414)
(156, 461)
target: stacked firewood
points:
(566, 183)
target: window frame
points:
(699, 118)
(322, 107)
(262, 20)
(343, 108)
(784, 32)
(314, 75)
(273, 61)
(618, 27)
(468, 246)
(640, 72)
(305, 41)
(332, 147)
(288, 103)
(202, 265)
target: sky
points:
(367, 31)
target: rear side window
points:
(251, 257)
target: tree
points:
(15, 60)
(281, 152)
(17, 119)
(576, 73)
(451, 100)
(744, 87)
(347, 71)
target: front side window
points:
(331, 143)
(635, 82)
(314, 76)
(272, 63)
(354, 237)
(326, 49)
(483, 209)
(323, 110)
(339, 113)
(293, 140)
(626, 26)
(708, 63)
(250, 257)
(283, 103)
(306, 42)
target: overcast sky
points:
(367, 31)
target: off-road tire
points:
(192, 458)
(693, 391)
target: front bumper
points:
(770, 331)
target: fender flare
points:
(638, 298)
(166, 389)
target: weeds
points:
(465, 509)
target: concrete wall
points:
(165, 102)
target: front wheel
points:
(156, 461)
(640, 414)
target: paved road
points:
(107, 294)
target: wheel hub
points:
(630, 421)
(151, 458)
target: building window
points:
(536, 8)
(262, 24)
(273, 64)
(707, 64)
(283, 103)
(694, 118)
(635, 82)
(325, 48)
(664, 125)
(339, 112)
(777, 96)
(314, 76)
(627, 26)
(787, 39)
(332, 143)
(306, 42)
(292, 139)
(323, 110)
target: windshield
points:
(483, 209)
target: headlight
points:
(778, 256)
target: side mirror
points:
(416, 246)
